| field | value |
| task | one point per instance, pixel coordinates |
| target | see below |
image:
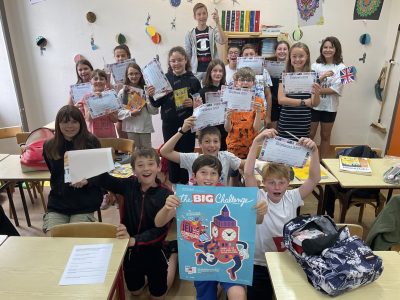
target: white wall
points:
(45, 79)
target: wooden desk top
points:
(3, 156)
(349, 180)
(290, 281)
(31, 268)
(10, 169)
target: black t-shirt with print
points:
(203, 49)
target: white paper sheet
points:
(213, 97)
(118, 70)
(87, 264)
(281, 150)
(101, 105)
(210, 114)
(275, 68)
(238, 99)
(85, 164)
(153, 75)
(79, 90)
(301, 82)
(255, 63)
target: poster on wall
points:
(215, 231)
(367, 10)
(309, 12)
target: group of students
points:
(149, 206)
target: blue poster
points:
(216, 227)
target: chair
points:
(9, 132)
(92, 230)
(354, 229)
(118, 145)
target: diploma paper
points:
(296, 83)
(153, 75)
(118, 70)
(275, 68)
(209, 114)
(101, 105)
(85, 164)
(79, 90)
(239, 99)
(87, 264)
(281, 150)
(255, 63)
(213, 97)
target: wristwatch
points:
(302, 103)
(181, 131)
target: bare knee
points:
(236, 292)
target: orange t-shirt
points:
(242, 134)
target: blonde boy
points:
(282, 206)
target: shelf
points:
(233, 35)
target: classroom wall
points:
(45, 78)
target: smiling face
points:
(134, 75)
(281, 52)
(276, 188)
(233, 54)
(98, 83)
(249, 52)
(206, 176)
(328, 51)
(201, 16)
(120, 55)
(84, 72)
(216, 74)
(146, 170)
(177, 62)
(70, 128)
(298, 59)
(210, 144)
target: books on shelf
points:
(356, 165)
(240, 20)
(302, 173)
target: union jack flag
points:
(348, 75)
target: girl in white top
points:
(328, 67)
(230, 68)
(136, 122)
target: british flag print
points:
(348, 75)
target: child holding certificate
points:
(282, 207)
(295, 116)
(102, 127)
(212, 82)
(177, 106)
(136, 112)
(207, 171)
(83, 70)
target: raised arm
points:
(314, 175)
(167, 212)
(257, 120)
(315, 98)
(223, 39)
(268, 109)
(167, 150)
(228, 124)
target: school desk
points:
(318, 193)
(31, 268)
(10, 172)
(3, 156)
(290, 281)
(3, 239)
(356, 181)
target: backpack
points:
(32, 152)
(344, 263)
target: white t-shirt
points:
(229, 75)
(272, 226)
(227, 159)
(329, 102)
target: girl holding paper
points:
(69, 203)
(177, 106)
(327, 67)
(83, 70)
(102, 127)
(295, 116)
(136, 117)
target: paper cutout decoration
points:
(91, 17)
(78, 57)
(173, 24)
(363, 58)
(365, 39)
(297, 34)
(94, 46)
(42, 43)
(175, 3)
(348, 75)
(120, 39)
(235, 1)
(309, 12)
(367, 9)
(151, 31)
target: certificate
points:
(281, 150)
(104, 104)
(216, 227)
(153, 75)
(209, 114)
(255, 63)
(275, 68)
(79, 90)
(118, 70)
(136, 99)
(239, 99)
(213, 97)
(298, 83)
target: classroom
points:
(36, 76)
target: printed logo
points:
(203, 198)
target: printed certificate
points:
(153, 75)
(215, 232)
(238, 99)
(255, 63)
(281, 150)
(101, 105)
(79, 90)
(298, 83)
(275, 68)
(213, 97)
(118, 70)
(209, 114)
